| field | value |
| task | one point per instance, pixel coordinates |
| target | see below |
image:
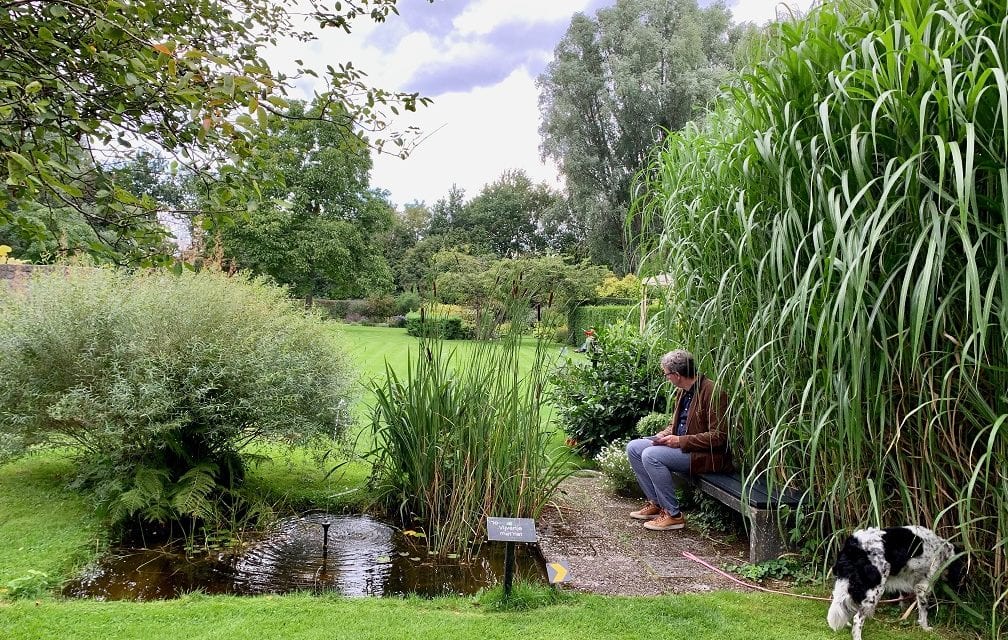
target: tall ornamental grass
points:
(838, 230)
(460, 437)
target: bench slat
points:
(731, 483)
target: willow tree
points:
(619, 81)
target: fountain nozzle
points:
(325, 540)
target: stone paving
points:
(610, 553)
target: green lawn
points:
(718, 616)
(44, 527)
(47, 528)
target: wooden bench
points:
(760, 507)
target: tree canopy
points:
(82, 82)
(319, 226)
(618, 83)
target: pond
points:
(318, 553)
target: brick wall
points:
(15, 275)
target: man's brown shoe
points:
(666, 522)
(648, 511)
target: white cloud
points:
(483, 16)
(474, 138)
(763, 11)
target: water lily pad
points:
(383, 560)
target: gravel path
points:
(610, 553)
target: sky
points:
(478, 60)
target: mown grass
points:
(44, 526)
(718, 616)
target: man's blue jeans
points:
(653, 465)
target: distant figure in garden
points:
(590, 342)
(695, 441)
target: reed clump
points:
(460, 437)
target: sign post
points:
(509, 531)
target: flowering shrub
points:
(612, 461)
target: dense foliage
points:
(158, 382)
(594, 316)
(838, 230)
(318, 225)
(429, 325)
(482, 281)
(81, 82)
(600, 400)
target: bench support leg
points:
(765, 541)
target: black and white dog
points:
(872, 561)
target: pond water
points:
(319, 552)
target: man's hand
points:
(668, 441)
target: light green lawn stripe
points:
(721, 616)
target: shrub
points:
(356, 310)
(629, 286)
(423, 325)
(335, 309)
(597, 316)
(613, 462)
(406, 302)
(600, 401)
(158, 381)
(560, 334)
(550, 332)
(652, 423)
(397, 322)
(381, 307)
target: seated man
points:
(695, 441)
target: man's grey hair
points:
(679, 361)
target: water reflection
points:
(359, 556)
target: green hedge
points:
(449, 327)
(595, 316)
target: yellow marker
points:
(556, 571)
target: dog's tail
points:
(839, 613)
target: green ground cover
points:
(44, 527)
